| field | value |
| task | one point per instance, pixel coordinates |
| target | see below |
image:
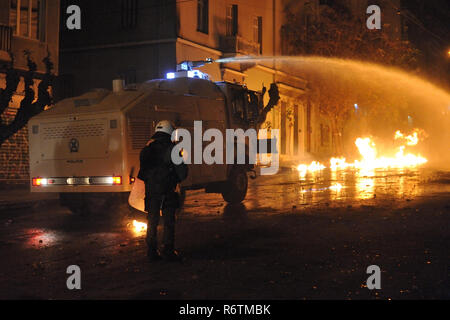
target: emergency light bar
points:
(185, 70)
(196, 74)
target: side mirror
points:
(274, 94)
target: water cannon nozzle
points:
(189, 65)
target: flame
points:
(369, 156)
(139, 227)
(398, 135)
(339, 163)
(411, 140)
(313, 167)
(336, 187)
(365, 188)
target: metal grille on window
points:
(129, 14)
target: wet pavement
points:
(294, 237)
(290, 191)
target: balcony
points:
(5, 41)
(238, 45)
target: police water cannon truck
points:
(87, 148)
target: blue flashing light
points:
(195, 74)
(356, 106)
(184, 66)
(187, 74)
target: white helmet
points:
(165, 126)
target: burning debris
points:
(139, 227)
(370, 159)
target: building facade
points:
(25, 25)
(142, 40)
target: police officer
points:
(161, 178)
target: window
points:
(257, 32)
(27, 18)
(13, 16)
(324, 135)
(232, 20)
(253, 104)
(203, 16)
(130, 76)
(238, 104)
(129, 14)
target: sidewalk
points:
(21, 197)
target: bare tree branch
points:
(27, 108)
(12, 81)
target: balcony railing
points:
(5, 38)
(237, 44)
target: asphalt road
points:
(294, 237)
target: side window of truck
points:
(252, 106)
(238, 103)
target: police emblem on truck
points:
(74, 145)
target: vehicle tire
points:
(74, 202)
(235, 188)
(77, 208)
(182, 197)
(85, 204)
(101, 204)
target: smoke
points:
(388, 98)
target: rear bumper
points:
(81, 189)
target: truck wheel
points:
(182, 197)
(74, 202)
(76, 208)
(87, 204)
(235, 188)
(99, 205)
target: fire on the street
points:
(139, 227)
(370, 159)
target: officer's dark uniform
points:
(161, 178)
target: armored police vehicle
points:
(87, 148)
